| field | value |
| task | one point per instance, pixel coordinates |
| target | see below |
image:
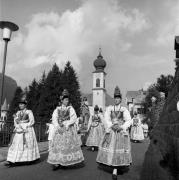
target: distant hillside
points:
(10, 86)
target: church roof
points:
(109, 99)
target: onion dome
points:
(100, 63)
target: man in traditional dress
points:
(24, 147)
(65, 149)
(115, 147)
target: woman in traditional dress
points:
(24, 147)
(84, 120)
(65, 150)
(95, 129)
(115, 147)
(137, 133)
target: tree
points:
(151, 92)
(32, 95)
(15, 103)
(71, 83)
(164, 83)
(51, 89)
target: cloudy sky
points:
(136, 37)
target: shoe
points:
(114, 176)
(55, 167)
(9, 164)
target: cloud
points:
(141, 61)
(52, 37)
(168, 28)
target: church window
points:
(98, 82)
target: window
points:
(98, 82)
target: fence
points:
(8, 127)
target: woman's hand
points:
(114, 127)
(117, 128)
(67, 127)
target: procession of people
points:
(107, 132)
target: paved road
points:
(91, 171)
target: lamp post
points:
(7, 28)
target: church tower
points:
(99, 90)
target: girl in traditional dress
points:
(136, 129)
(115, 147)
(145, 129)
(65, 150)
(24, 147)
(50, 132)
(95, 129)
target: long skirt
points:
(95, 135)
(65, 149)
(137, 133)
(24, 147)
(115, 149)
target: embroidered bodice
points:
(22, 116)
(63, 114)
(96, 118)
(135, 121)
(117, 116)
(85, 110)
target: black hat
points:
(65, 94)
(23, 100)
(96, 108)
(117, 92)
(135, 113)
(100, 110)
(85, 99)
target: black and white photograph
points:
(89, 89)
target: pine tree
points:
(32, 95)
(164, 83)
(71, 83)
(50, 93)
(14, 106)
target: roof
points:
(109, 99)
(136, 97)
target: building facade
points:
(135, 101)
